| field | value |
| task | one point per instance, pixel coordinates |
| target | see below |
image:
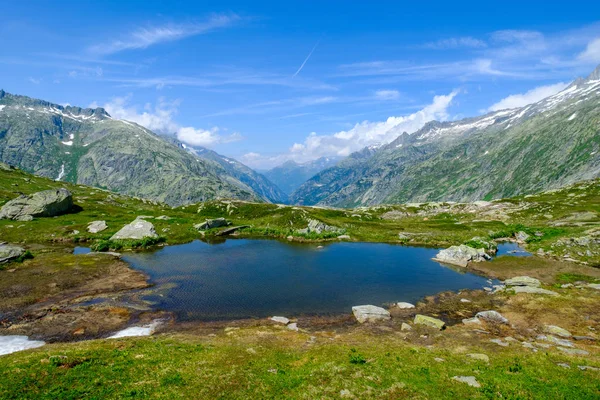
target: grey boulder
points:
(211, 223)
(523, 281)
(461, 255)
(47, 203)
(9, 252)
(96, 226)
(492, 316)
(370, 313)
(318, 227)
(138, 229)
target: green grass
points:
(282, 367)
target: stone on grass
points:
(461, 255)
(564, 365)
(556, 341)
(469, 380)
(492, 316)
(557, 331)
(522, 281)
(521, 236)
(429, 321)
(136, 230)
(369, 313)
(403, 305)
(479, 357)
(471, 321)
(280, 320)
(211, 223)
(588, 368)
(573, 352)
(293, 327)
(343, 237)
(499, 342)
(465, 300)
(9, 252)
(405, 327)
(533, 290)
(590, 338)
(48, 203)
(594, 286)
(96, 226)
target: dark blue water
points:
(259, 278)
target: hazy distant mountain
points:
(290, 175)
(545, 145)
(89, 147)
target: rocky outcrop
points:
(404, 305)
(96, 226)
(212, 223)
(318, 227)
(48, 203)
(136, 230)
(533, 290)
(370, 313)
(9, 252)
(522, 281)
(429, 321)
(492, 316)
(461, 255)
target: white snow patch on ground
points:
(72, 136)
(69, 143)
(61, 174)
(2, 107)
(12, 344)
(145, 330)
(572, 117)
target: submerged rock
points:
(461, 255)
(211, 223)
(369, 313)
(47, 203)
(9, 252)
(136, 230)
(523, 281)
(429, 321)
(96, 226)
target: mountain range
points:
(87, 146)
(290, 175)
(545, 145)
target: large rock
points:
(558, 331)
(370, 313)
(429, 321)
(41, 204)
(138, 229)
(461, 255)
(522, 281)
(211, 223)
(492, 316)
(469, 380)
(97, 226)
(521, 237)
(318, 227)
(533, 290)
(9, 252)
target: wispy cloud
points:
(456, 43)
(161, 118)
(592, 52)
(145, 37)
(306, 59)
(360, 135)
(529, 97)
(35, 81)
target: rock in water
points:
(429, 321)
(461, 255)
(370, 313)
(97, 226)
(8, 252)
(48, 203)
(211, 223)
(523, 281)
(138, 229)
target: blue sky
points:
(266, 82)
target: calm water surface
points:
(259, 278)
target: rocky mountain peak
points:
(595, 75)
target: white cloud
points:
(362, 135)
(146, 37)
(592, 52)
(529, 97)
(387, 95)
(160, 118)
(456, 43)
(34, 80)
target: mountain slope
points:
(540, 146)
(87, 146)
(290, 175)
(256, 182)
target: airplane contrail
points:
(306, 59)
